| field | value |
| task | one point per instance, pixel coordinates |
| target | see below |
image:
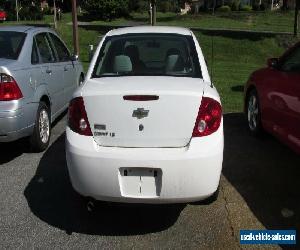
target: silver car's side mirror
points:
(74, 58)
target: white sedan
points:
(146, 126)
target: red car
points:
(272, 98)
(3, 15)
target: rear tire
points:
(40, 137)
(253, 113)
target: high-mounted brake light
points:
(77, 117)
(9, 89)
(140, 97)
(209, 117)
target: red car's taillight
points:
(77, 117)
(9, 89)
(209, 117)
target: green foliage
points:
(246, 8)
(256, 5)
(30, 13)
(30, 10)
(235, 5)
(143, 6)
(2, 4)
(168, 6)
(133, 5)
(224, 8)
(165, 6)
(263, 6)
(106, 9)
(47, 11)
(162, 5)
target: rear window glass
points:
(11, 44)
(148, 54)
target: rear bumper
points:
(14, 123)
(186, 174)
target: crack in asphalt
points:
(228, 217)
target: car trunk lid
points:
(143, 111)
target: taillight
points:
(209, 117)
(9, 89)
(77, 117)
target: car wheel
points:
(40, 137)
(253, 113)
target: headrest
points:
(122, 64)
(174, 63)
(173, 51)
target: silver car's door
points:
(70, 74)
(36, 76)
(52, 71)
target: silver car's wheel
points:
(44, 126)
(40, 137)
(253, 112)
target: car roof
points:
(24, 28)
(150, 29)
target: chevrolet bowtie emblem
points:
(140, 113)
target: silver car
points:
(37, 78)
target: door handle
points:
(65, 68)
(49, 71)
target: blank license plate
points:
(140, 182)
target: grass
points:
(276, 21)
(233, 61)
(86, 37)
(259, 21)
(235, 55)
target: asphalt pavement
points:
(260, 189)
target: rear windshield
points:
(148, 55)
(11, 44)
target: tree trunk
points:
(153, 12)
(284, 4)
(75, 28)
(17, 10)
(214, 6)
(272, 4)
(296, 18)
(54, 15)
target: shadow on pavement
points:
(265, 172)
(11, 150)
(51, 198)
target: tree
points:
(106, 9)
(28, 10)
(153, 12)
